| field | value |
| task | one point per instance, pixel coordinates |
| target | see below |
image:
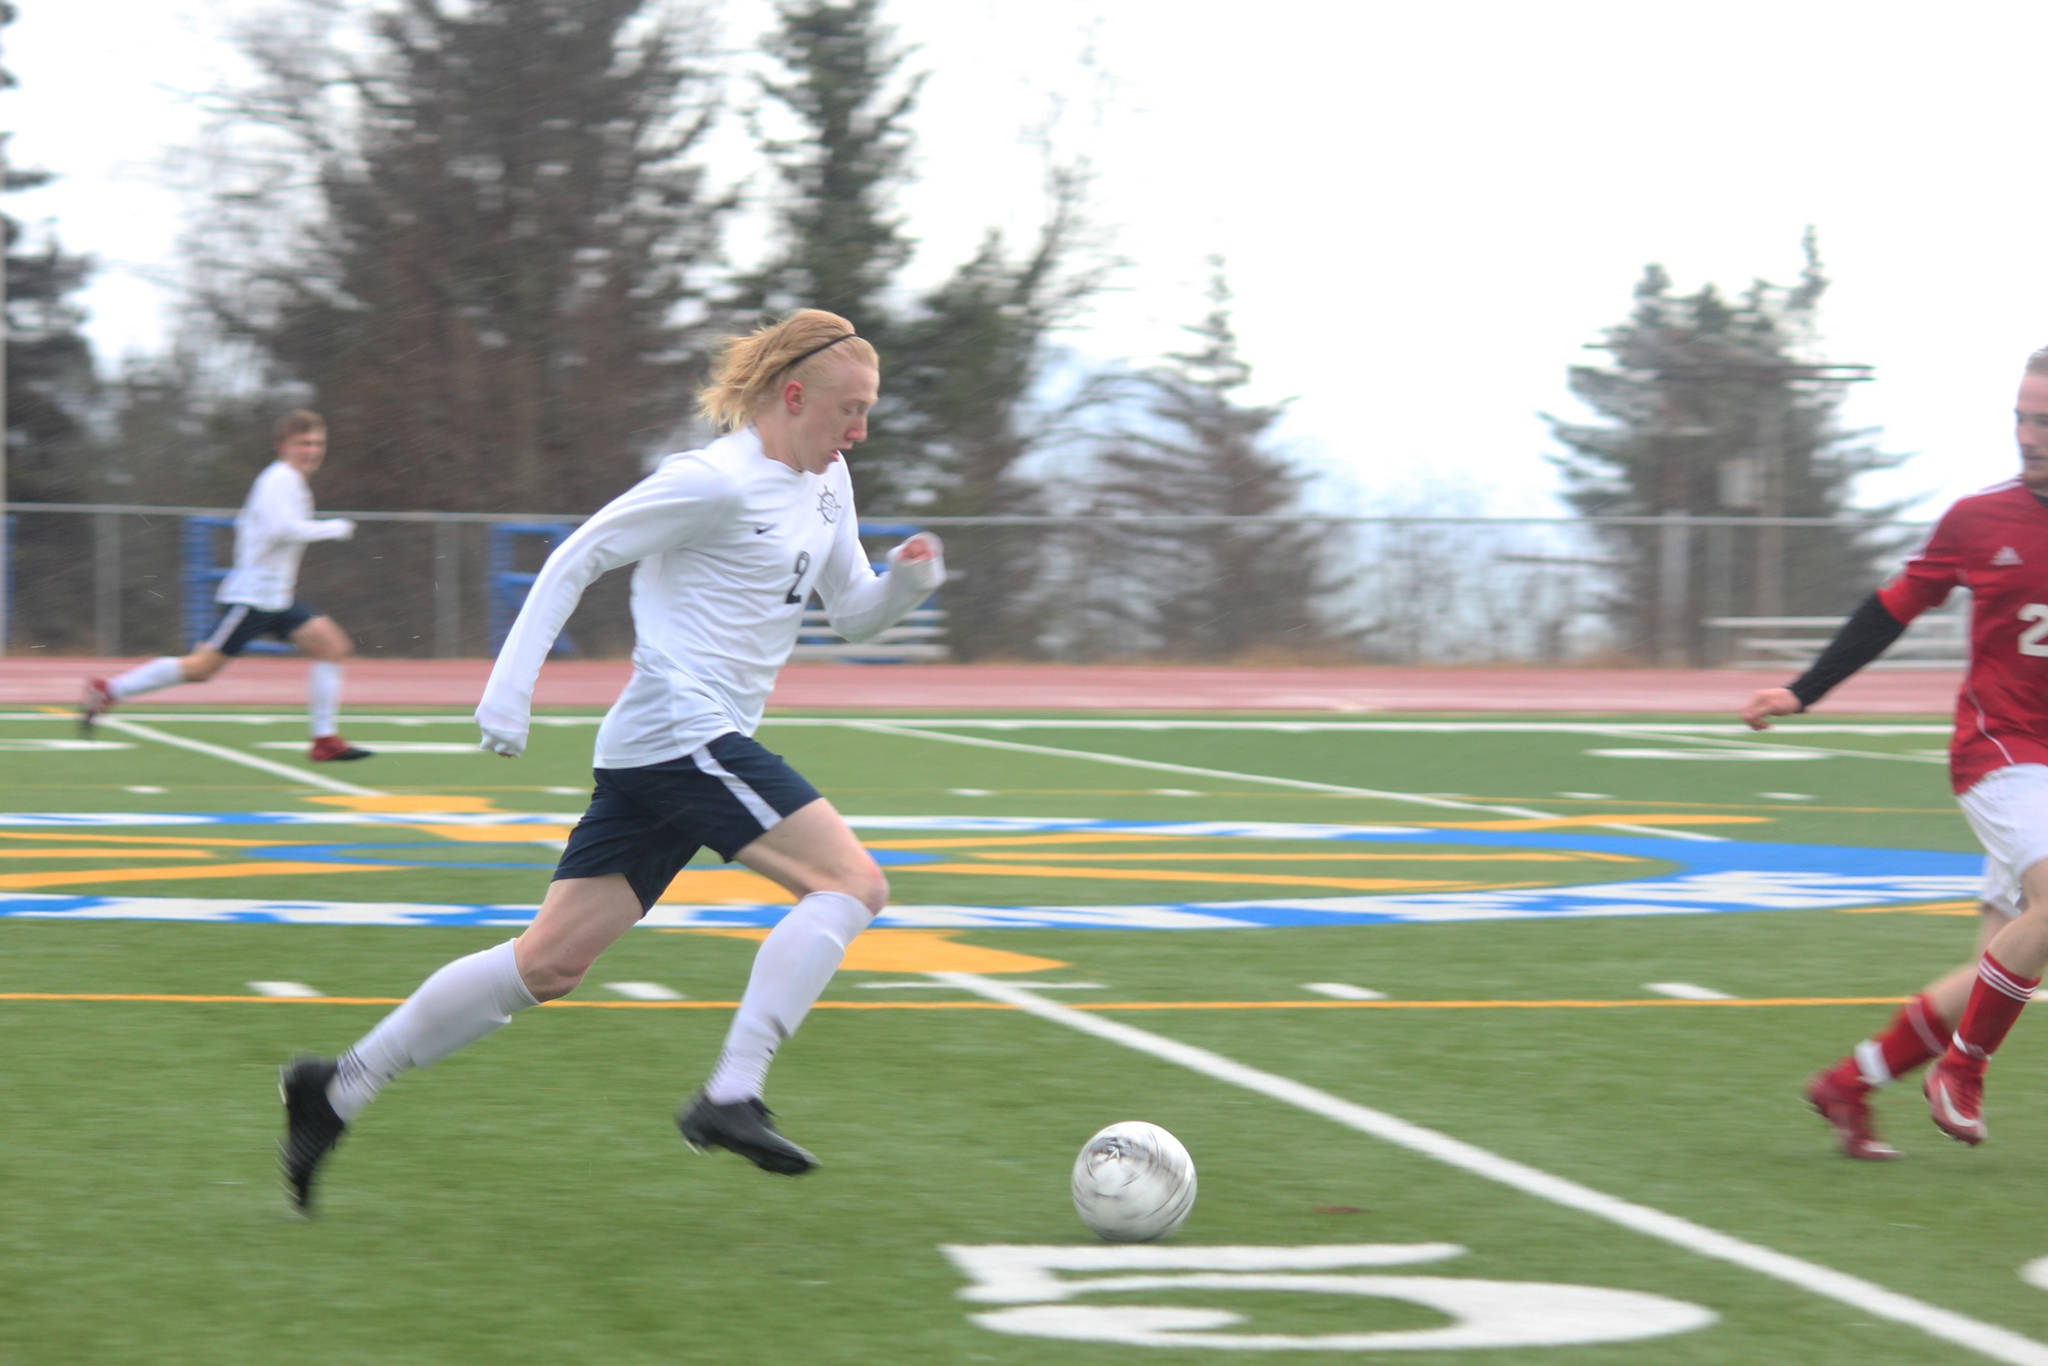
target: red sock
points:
(1848, 1072)
(1996, 1000)
(1916, 1035)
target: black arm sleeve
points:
(1867, 633)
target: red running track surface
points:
(1037, 687)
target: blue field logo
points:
(1690, 877)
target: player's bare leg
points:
(814, 854)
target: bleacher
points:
(919, 637)
(1938, 640)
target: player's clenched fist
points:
(1768, 703)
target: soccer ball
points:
(1133, 1182)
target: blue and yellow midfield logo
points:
(1006, 872)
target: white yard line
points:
(1344, 991)
(1986, 1339)
(1631, 728)
(235, 756)
(1304, 784)
(1739, 743)
(1686, 991)
(644, 991)
(947, 986)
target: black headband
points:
(821, 346)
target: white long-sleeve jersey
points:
(272, 530)
(727, 545)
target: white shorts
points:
(2000, 890)
(2008, 810)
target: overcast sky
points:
(1427, 210)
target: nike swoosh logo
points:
(760, 529)
(1949, 1112)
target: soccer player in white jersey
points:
(257, 596)
(726, 543)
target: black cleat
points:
(311, 1128)
(743, 1127)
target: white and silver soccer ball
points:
(1133, 1182)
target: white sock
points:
(458, 1005)
(796, 960)
(161, 672)
(323, 696)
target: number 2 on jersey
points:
(803, 566)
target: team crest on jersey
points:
(828, 506)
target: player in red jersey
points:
(1994, 543)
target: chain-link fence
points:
(121, 580)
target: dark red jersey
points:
(1995, 544)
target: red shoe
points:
(332, 748)
(93, 704)
(1955, 1097)
(1846, 1108)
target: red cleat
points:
(1846, 1108)
(1955, 1097)
(93, 704)
(332, 748)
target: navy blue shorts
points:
(647, 822)
(240, 623)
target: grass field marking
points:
(1305, 784)
(941, 986)
(1736, 743)
(1461, 727)
(296, 990)
(644, 991)
(1986, 1339)
(297, 775)
(1111, 1007)
(1686, 991)
(1344, 991)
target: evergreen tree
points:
(966, 393)
(1717, 407)
(1223, 590)
(50, 381)
(50, 391)
(505, 224)
(963, 363)
(839, 246)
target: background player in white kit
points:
(727, 543)
(272, 531)
(1994, 543)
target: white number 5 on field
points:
(1481, 1313)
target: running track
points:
(1027, 687)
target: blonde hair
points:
(751, 367)
(298, 422)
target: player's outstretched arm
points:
(1868, 633)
